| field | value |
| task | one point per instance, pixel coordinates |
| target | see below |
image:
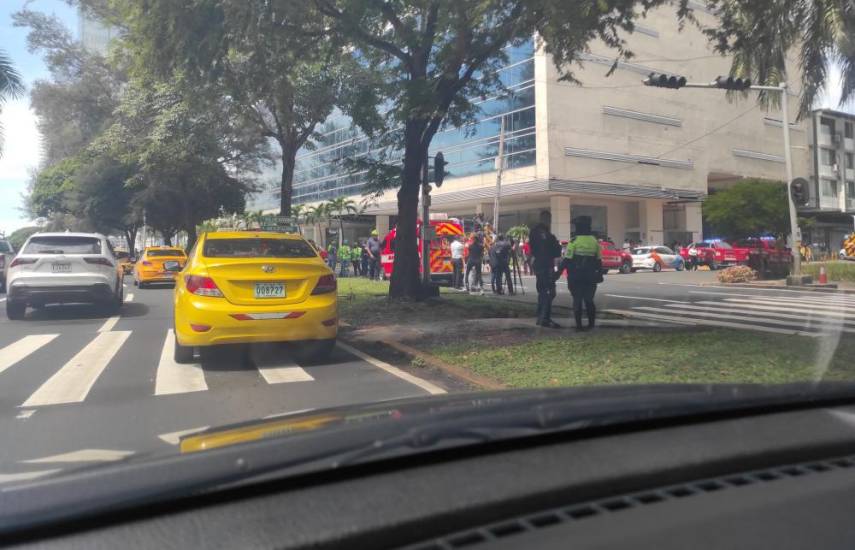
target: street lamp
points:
(740, 84)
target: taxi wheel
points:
(15, 311)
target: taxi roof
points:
(251, 235)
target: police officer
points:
(344, 254)
(544, 250)
(583, 260)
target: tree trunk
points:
(405, 282)
(191, 236)
(131, 238)
(286, 184)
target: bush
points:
(836, 271)
(737, 274)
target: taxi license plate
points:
(61, 267)
(269, 290)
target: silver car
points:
(6, 255)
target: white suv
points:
(63, 268)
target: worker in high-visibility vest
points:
(584, 262)
(344, 253)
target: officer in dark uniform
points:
(584, 262)
(544, 250)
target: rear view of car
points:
(63, 268)
(157, 265)
(244, 287)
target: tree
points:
(341, 207)
(20, 236)
(11, 86)
(316, 215)
(749, 208)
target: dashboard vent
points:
(579, 512)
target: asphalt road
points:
(78, 387)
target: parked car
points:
(656, 257)
(6, 255)
(614, 258)
(63, 268)
(767, 255)
(716, 254)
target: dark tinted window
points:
(162, 253)
(4, 247)
(258, 248)
(61, 244)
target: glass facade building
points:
(321, 175)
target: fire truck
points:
(444, 230)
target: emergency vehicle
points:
(848, 250)
(445, 231)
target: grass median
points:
(635, 356)
(843, 271)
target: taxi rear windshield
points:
(61, 244)
(159, 253)
(258, 248)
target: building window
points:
(828, 188)
(849, 161)
(826, 126)
(827, 157)
(850, 190)
(847, 129)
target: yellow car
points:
(253, 286)
(151, 266)
(124, 260)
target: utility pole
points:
(500, 167)
(425, 222)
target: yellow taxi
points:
(241, 287)
(156, 265)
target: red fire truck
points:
(445, 230)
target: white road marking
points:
(284, 373)
(792, 305)
(791, 293)
(71, 384)
(770, 307)
(722, 324)
(738, 317)
(2, 300)
(645, 298)
(734, 308)
(109, 324)
(795, 299)
(175, 378)
(83, 455)
(432, 389)
(20, 349)
(173, 438)
(129, 297)
(289, 413)
(26, 414)
(26, 476)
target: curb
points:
(457, 372)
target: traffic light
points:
(439, 168)
(730, 83)
(661, 80)
(800, 191)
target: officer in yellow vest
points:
(584, 264)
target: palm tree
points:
(315, 215)
(342, 206)
(11, 86)
(298, 212)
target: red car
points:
(768, 255)
(716, 253)
(613, 257)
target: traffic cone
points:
(823, 278)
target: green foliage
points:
(836, 271)
(749, 208)
(518, 232)
(50, 188)
(19, 236)
(11, 86)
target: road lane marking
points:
(173, 438)
(770, 307)
(733, 308)
(722, 324)
(797, 293)
(174, 377)
(83, 455)
(737, 317)
(20, 349)
(71, 384)
(792, 305)
(284, 373)
(26, 476)
(25, 414)
(129, 297)
(645, 298)
(109, 324)
(394, 371)
(2, 300)
(788, 299)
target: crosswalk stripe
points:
(800, 299)
(20, 349)
(129, 297)
(771, 307)
(109, 324)
(723, 324)
(733, 308)
(796, 305)
(281, 374)
(174, 377)
(71, 383)
(746, 318)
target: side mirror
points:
(172, 266)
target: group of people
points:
(471, 254)
(363, 257)
(582, 260)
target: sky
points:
(22, 149)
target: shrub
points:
(737, 274)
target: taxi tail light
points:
(98, 261)
(202, 286)
(22, 261)
(326, 284)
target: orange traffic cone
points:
(823, 278)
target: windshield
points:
(63, 245)
(326, 206)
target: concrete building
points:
(639, 160)
(832, 176)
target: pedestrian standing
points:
(492, 261)
(583, 260)
(544, 249)
(473, 265)
(356, 258)
(344, 254)
(457, 263)
(526, 250)
(372, 246)
(693, 258)
(332, 256)
(503, 250)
